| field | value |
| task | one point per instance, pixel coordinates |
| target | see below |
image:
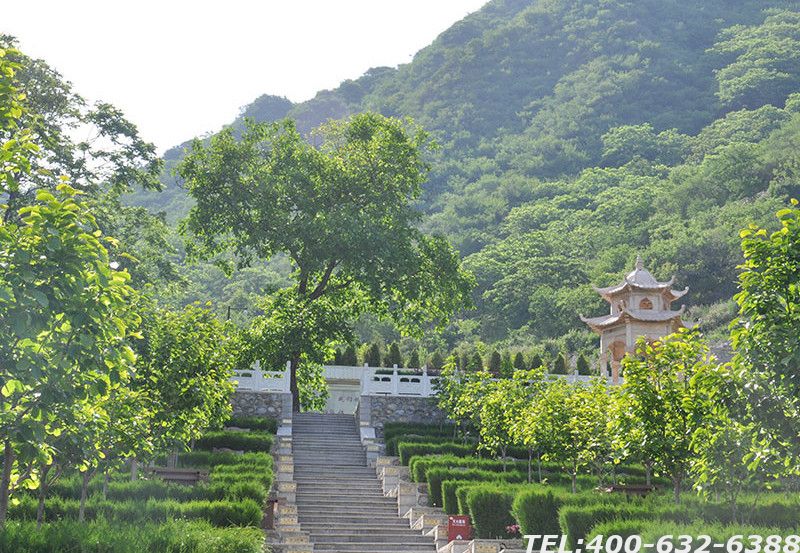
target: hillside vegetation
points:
(574, 135)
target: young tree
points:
(475, 363)
(349, 357)
(560, 365)
(575, 417)
(582, 365)
(372, 357)
(519, 362)
(184, 367)
(665, 399)
(341, 211)
(394, 357)
(65, 319)
(537, 362)
(437, 361)
(413, 360)
(495, 363)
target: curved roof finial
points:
(639, 263)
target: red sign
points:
(459, 528)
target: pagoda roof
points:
(641, 279)
(641, 315)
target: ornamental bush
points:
(239, 441)
(265, 424)
(106, 537)
(436, 476)
(490, 509)
(407, 450)
(536, 507)
(577, 521)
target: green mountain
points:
(577, 133)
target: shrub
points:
(654, 530)
(407, 450)
(105, 537)
(265, 424)
(391, 443)
(419, 465)
(622, 528)
(435, 477)
(490, 509)
(243, 512)
(207, 459)
(577, 521)
(246, 441)
(536, 507)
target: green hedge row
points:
(239, 441)
(489, 507)
(419, 465)
(536, 507)
(437, 476)
(398, 429)
(407, 450)
(392, 443)
(207, 459)
(105, 537)
(241, 512)
(652, 531)
(265, 424)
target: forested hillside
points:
(575, 134)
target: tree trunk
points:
(84, 494)
(676, 489)
(42, 495)
(293, 365)
(134, 470)
(5, 482)
(539, 464)
(574, 481)
(648, 472)
(503, 453)
(106, 478)
(530, 466)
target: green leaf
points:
(12, 387)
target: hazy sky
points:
(180, 68)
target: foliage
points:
(185, 361)
(249, 441)
(174, 536)
(266, 424)
(65, 318)
(664, 393)
(365, 255)
(490, 510)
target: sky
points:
(179, 68)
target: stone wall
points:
(262, 404)
(374, 411)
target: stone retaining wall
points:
(262, 404)
(374, 411)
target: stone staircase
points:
(340, 503)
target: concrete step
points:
(388, 537)
(371, 547)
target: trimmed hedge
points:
(398, 429)
(265, 424)
(652, 531)
(536, 507)
(246, 441)
(207, 459)
(490, 509)
(104, 537)
(392, 443)
(242, 512)
(419, 465)
(577, 521)
(407, 450)
(436, 476)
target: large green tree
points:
(339, 205)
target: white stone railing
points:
(375, 381)
(256, 380)
(400, 382)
